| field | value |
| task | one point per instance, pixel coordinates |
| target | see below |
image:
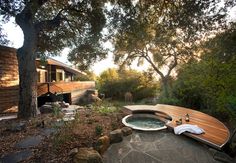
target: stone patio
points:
(158, 147)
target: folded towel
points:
(187, 127)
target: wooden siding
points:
(9, 81)
(9, 95)
(64, 87)
(8, 67)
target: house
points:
(52, 70)
(53, 76)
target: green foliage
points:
(63, 135)
(3, 37)
(209, 84)
(90, 76)
(105, 107)
(74, 24)
(98, 129)
(114, 125)
(169, 101)
(64, 132)
(105, 110)
(56, 111)
(162, 33)
(115, 84)
(49, 27)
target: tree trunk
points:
(27, 106)
(165, 87)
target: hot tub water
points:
(145, 122)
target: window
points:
(60, 75)
(42, 75)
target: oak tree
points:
(49, 26)
(163, 33)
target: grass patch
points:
(106, 108)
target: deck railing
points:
(9, 95)
(64, 87)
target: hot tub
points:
(144, 122)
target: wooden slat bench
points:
(216, 133)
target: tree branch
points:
(172, 66)
(148, 59)
(5, 9)
(41, 2)
(34, 6)
(49, 25)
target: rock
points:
(16, 127)
(46, 108)
(56, 104)
(48, 131)
(73, 152)
(16, 157)
(116, 136)
(87, 155)
(92, 91)
(93, 98)
(63, 104)
(69, 110)
(102, 144)
(90, 96)
(222, 157)
(28, 142)
(126, 131)
(69, 117)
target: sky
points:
(15, 35)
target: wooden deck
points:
(216, 133)
(64, 87)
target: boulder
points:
(102, 144)
(126, 131)
(63, 104)
(89, 97)
(73, 152)
(116, 136)
(93, 98)
(46, 108)
(87, 155)
(92, 91)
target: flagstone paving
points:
(158, 147)
(25, 145)
(16, 156)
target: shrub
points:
(169, 101)
(114, 84)
(56, 110)
(208, 85)
(98, 129)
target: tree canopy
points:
(209, 83)
(115, 83)
(163, 33)
(49, 26)
(60, 24)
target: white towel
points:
(187, 127)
